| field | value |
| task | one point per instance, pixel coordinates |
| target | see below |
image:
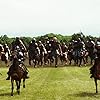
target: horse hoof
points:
(18, 93)
(11, 94)
(85, 65)
(96, 91)
(23, 86)
(56, 66)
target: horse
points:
(95, 71)
(70, 56)
(91, 51)
(17, 74)
(63, 58)
(34, 57)
(5, 57)
(83, 56)
(80, 55)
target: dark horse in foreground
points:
(17, 75)
(95, 71)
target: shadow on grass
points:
(85, 94)
(8, 94)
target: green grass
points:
(62, 83)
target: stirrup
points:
(8, 78)
(27, 77)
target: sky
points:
(38, 17)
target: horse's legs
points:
(6, 61)
(56, 61)
(84, 60)
(17, 84)
(76, 62)
(51, 60)
(91, 61)
(70, 62)
(29, 61)
(96, 85)
(12, 83)
(41, 60)
(18, 89)
(45, 59)
(80, 61)
(35, 62)
(23, 83)
(61, 59)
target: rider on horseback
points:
(16, 50)
(97, 59)
(33, 51)
(78, 47)
(55, 50)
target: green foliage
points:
(59, 37)
(66, 39)
(5, 39)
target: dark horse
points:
(54, 57)
(70, 56)
(79, 56)
(17, 74)
(95, 71)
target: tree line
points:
(5, 39)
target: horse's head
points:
(15, 61)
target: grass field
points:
(62, 83)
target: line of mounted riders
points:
(51, 51)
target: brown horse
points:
(17, 74)
(95, 71)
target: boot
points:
(91, 76)
(8, 78)
(26, 75)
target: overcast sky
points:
(39, 17)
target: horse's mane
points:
(14, 65)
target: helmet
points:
(47, 41)
(79, 39)
(98, 43)
(55, 38)
(33, 40)
(17, 48)
(17, 38)
(40, 42)
(89, 38)
(36, 44)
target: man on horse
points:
(1, 51)
(17, 51)
(55, 49)
(43, 52)
(90, 46)
(64, 52)
(78, 47)
(6, 53)
(95, 69)
(33, 51)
